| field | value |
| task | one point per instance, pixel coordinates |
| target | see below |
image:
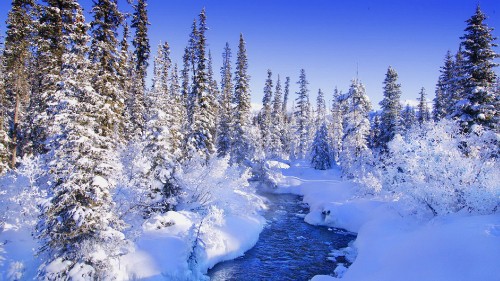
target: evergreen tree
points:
(459, 78)
(336, 126)
(265, 113)
(375, 128)
(202, 137)
(141, 57)
(126, 77)
(355, 151)
(104, 57)
(320, 109)
(286, 130)
(286, 95)
(277, 123)
(321, 152)
(478, 106)
(391, 107)
(424, 114)
(4, 137)
(240, 147)
(79, 220)
(409, 117)
(302, 115)
(16, 59)
(225, 126)
(444, 99)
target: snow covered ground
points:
(395, 241)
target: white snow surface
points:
(396, 241)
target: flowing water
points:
(288, 248)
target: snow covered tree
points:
(355, 153)
(375, 128)
(4, 137)
(424, 114)
(225, 126)
(320, 109)
(321, 155)
(409, 118)
(286, 135)
(478, 104)
(445, 97)
(391, 107)
(240, 147)
(104, 58)
(79, 220)
(336, 126)
(141, 57)
(302, 115)
(17, 86)
(126, 74)
(265, 113)
(277, 123)
(202, 136)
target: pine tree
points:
(375, 130)
(141, 57)
(336, 126)
(240, 147)
(286, 130)
(459, 78)
(424, 114)
(409, 117)
(302, 115)
(321, 152)
(265, 113)
(478, 106)
(79, 220)
(391, 107)
(225, 126)
(16, 59)
(444, 95)
(104, 57)
(320, 109)
(126, 77)
(355, 151)
(4, 137)
(202, 137)
(277, 123)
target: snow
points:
(395, 242)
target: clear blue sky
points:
(330, 39)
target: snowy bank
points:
(396, 242)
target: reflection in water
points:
(288, 248)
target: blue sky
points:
(332, 40)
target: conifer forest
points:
(118, 162)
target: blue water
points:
(288, 248)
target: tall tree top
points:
(478, 50)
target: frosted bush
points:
(444, 170)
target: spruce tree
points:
(478, 106)
(355, 151)
(444, 100)
(302, 115)
(265, 113)
(79, 219)
(202, 137)
(277, 123)
(225, 126)
(321, 155)
(286, 130)
(337, 129)
(391, 107)
(240, 147)
(409, 117)
(320, 109)
(424, 114)
(104, 57)
(141, 57)
(4, 137)
(17, 86)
